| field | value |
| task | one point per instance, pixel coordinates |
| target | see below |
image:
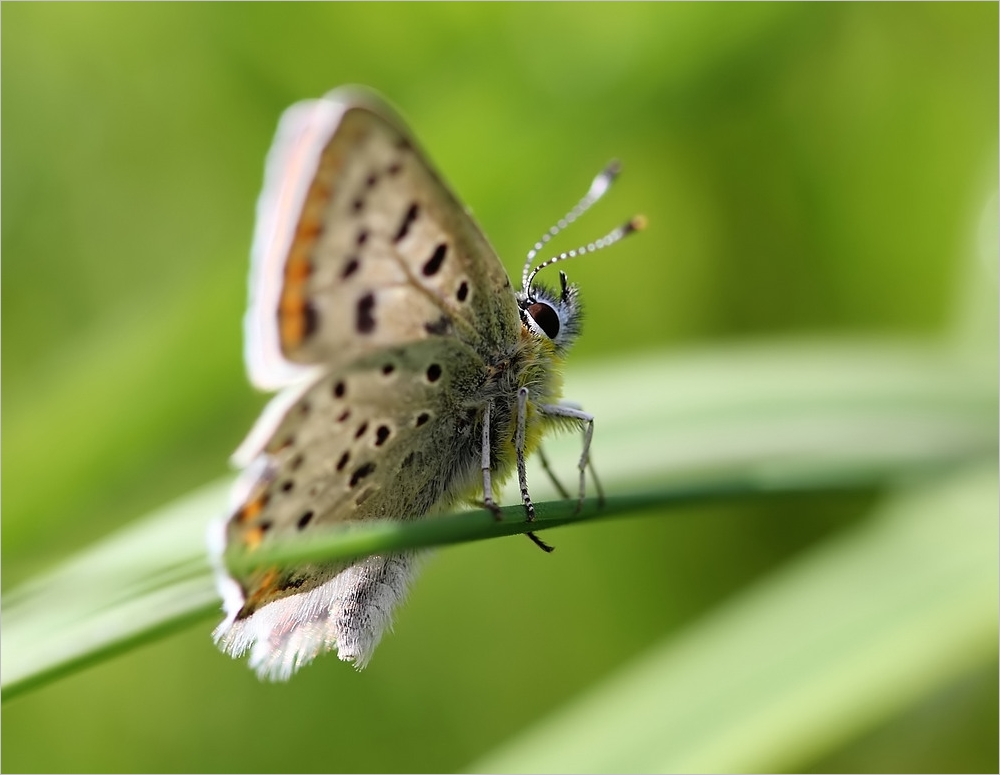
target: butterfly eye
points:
(546, 318)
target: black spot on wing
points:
(433, 264)
(365, 318)
(350, 267)
(439, 327)
(361, 472)
(311, 319)
(404, 227)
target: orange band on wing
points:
(251, 508)
(262, 590)
(296, 319)
(253, 537)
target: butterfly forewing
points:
(370, 248)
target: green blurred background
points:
(805, 169)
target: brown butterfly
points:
(413, 375)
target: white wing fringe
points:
(349, 613)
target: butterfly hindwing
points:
(383, 439)
(387, 438)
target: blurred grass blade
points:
(142, 582)
(704, 426)
(827, 647)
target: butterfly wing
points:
(359, 245)
(375, 301)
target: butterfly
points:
(413, 376)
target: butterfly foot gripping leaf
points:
(412, 375)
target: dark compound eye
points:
(546, 318)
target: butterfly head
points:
(554, 316)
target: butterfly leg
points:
(522, 475)
(587, 423)
(488, 501)
(552, 477)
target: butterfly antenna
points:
(597, 189)
(637, 223)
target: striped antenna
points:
(597, 189)
(638, 223)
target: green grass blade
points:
(781, 675)
(794, 416)
(142, 582)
